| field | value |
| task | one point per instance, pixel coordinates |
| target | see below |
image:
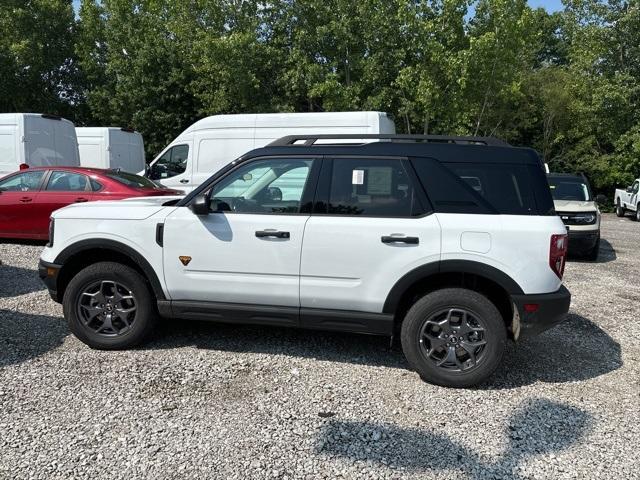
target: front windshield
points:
(132, 180)
(569, 189)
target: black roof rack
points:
(310, 140)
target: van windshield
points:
(132, 180)
(569, 188)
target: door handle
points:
(393, 239)
(272, 233)
(184, 180)
(26, 199)
(81, 199)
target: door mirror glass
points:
(629, 189)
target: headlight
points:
(584, 218)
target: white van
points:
(36, 140)
(111, 147)
(211, 143)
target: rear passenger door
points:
(371, 225)
(62, 188)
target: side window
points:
(66, 182)
(22, 182)
(263, 186)
(172, 162)
(635, 187)
(371, 187)
(480, 188)
(95, 185)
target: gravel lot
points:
(213, 401)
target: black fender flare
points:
(114, 246)
(448, 266)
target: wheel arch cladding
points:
(84, 253)
(488, 280)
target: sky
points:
(550, 5)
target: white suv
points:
(386, 235)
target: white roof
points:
(13, 118)
(95, 131)
(310, 119)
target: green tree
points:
(37, 64)
(137, 68)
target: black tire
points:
(594, 252)
(478, 307)
(142, 319)
(619, 209)
(637, 215)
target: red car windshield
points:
(132, 180)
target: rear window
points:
(569, 188)
(132, 180)
(481, 188)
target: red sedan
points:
(28, 197)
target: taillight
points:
(52, 224)
(558, 253)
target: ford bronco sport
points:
(578, 208)
(451, 242)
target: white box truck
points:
(211, 143)
(36, 140)
(111, 147)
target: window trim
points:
(321, 203)
(308, 193)
(87, 183)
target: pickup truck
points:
(628, 200)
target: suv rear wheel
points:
(454, 337)
(109, 306)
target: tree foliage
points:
(567, 83)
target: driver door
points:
(633, 197)
(247, 249)
(18, 195)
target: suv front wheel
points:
(454, 337)
(109, 306)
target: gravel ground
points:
(214, 401)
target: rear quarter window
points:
(482, 188)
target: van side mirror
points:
(601, 199)
(200, 205)
(629, 189)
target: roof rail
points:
(310, 140)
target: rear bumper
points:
(48, 273)
(583, 241)
(552, 308)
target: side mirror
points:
(601, 199)
(147, 170)
(275, 194)
(629, 189)
(200, 205)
